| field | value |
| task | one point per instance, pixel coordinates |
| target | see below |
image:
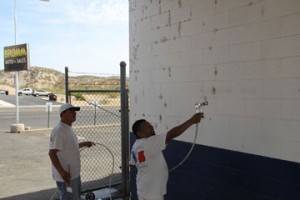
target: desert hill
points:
(50, 79)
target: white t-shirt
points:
(152, 176)
(64, 139)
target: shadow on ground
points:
(52, 194)
(39, 195)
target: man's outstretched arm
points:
(178, 130)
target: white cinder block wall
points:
(242, 55)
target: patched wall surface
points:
(242, 55)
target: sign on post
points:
(16, 58)
(48, 106)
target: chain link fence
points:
(99, 120)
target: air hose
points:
(90, 195)
(198, 108)
(190, 151)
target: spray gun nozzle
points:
(205, 103)
(198, 106)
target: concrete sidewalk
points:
(4, 104)
(25, 166)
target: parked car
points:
(3, 92)
(52, 97)
(26, 91)
(37, 93)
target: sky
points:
(87, 36)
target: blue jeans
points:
(64, 192)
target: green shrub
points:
(78, 96)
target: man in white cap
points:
(64, 154)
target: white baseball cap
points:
(68, 106)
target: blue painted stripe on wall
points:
(226, 174)
(219, 174)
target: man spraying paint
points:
(147, 156)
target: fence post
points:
(124, 129)
(67, 84)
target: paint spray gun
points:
(198, 109)
(198, 106)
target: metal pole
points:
(67, 84)
(95, 113)
(17, 73)
(124, 130)
(15, 21)
(48, 105)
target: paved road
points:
(25, 100)
(25, 166)
(34, 113)
(33, 117)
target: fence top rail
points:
(85, 91)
